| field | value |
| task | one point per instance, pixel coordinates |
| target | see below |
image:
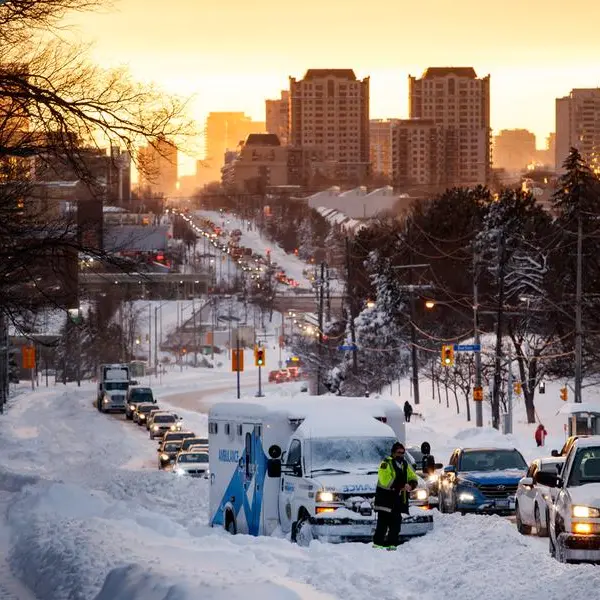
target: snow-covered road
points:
(89, 516)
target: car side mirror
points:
(548, 479)
(526, 481)
(450, 469)
(554, 453)
(274, 467)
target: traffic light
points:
(259, 356)
(447, 356)
(518, 388)
(564, 394)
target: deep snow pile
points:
(91, 517)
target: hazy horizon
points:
(235, 55)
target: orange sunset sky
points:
(232, 54)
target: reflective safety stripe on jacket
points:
(391, 480)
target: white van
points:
(306, 466)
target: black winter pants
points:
(388, 526)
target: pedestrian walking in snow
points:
(408, 411)
(540, 435)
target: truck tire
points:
(304, 533)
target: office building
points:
(380, 145)
(457, 102)
(278, 117)
(158, 169)
(578, 126)
(514, 149)
(329, 111)
(224, 131)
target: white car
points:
(574, 520)
(161, 423)
(533, 499)
(193, 464)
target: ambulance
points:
(305, 467)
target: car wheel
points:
(304, 532)
(151, 436)
(541, 530)
(521, 527)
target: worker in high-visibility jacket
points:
(395, 480)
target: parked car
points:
(135, 396)
(533, 499)
(481, 480)
(574, 519)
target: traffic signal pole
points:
(478, 385)
(260, 394)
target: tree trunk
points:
(456, 399)
(528, 376)
(499, 320)
(468, 403)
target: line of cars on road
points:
(180, 451)
(558, 496)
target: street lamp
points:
(429, 304)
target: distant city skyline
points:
(210, 51)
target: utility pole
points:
(351, 309)
(478, 405)
(411, 288)
(499, 324)
(509, 393)
(320, 332)
(578, 300)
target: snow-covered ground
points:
(87, 515)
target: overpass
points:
(146, 284)
(305, 302)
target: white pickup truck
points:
(574, 518)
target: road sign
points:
(478, 394)
(237, 360)
(348, 347)
(28, 356)
(467, 348)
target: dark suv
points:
(136, 395)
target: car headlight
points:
(173, 427)
(179, 471)
(164, 456)
(421, 494)
(433, 478)
(132, 407)
(105, 400)
(585, 512)
(466, 483)
(325, 497)
(142, 417)
(466, 497)
(155, 427)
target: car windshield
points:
(340, 453)
(492, 460)
(164, 419)
(113, 386)
(141, 396)
(586, 466)
(171, 447)
(199, 457)
(177, 436)
(195, 442)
